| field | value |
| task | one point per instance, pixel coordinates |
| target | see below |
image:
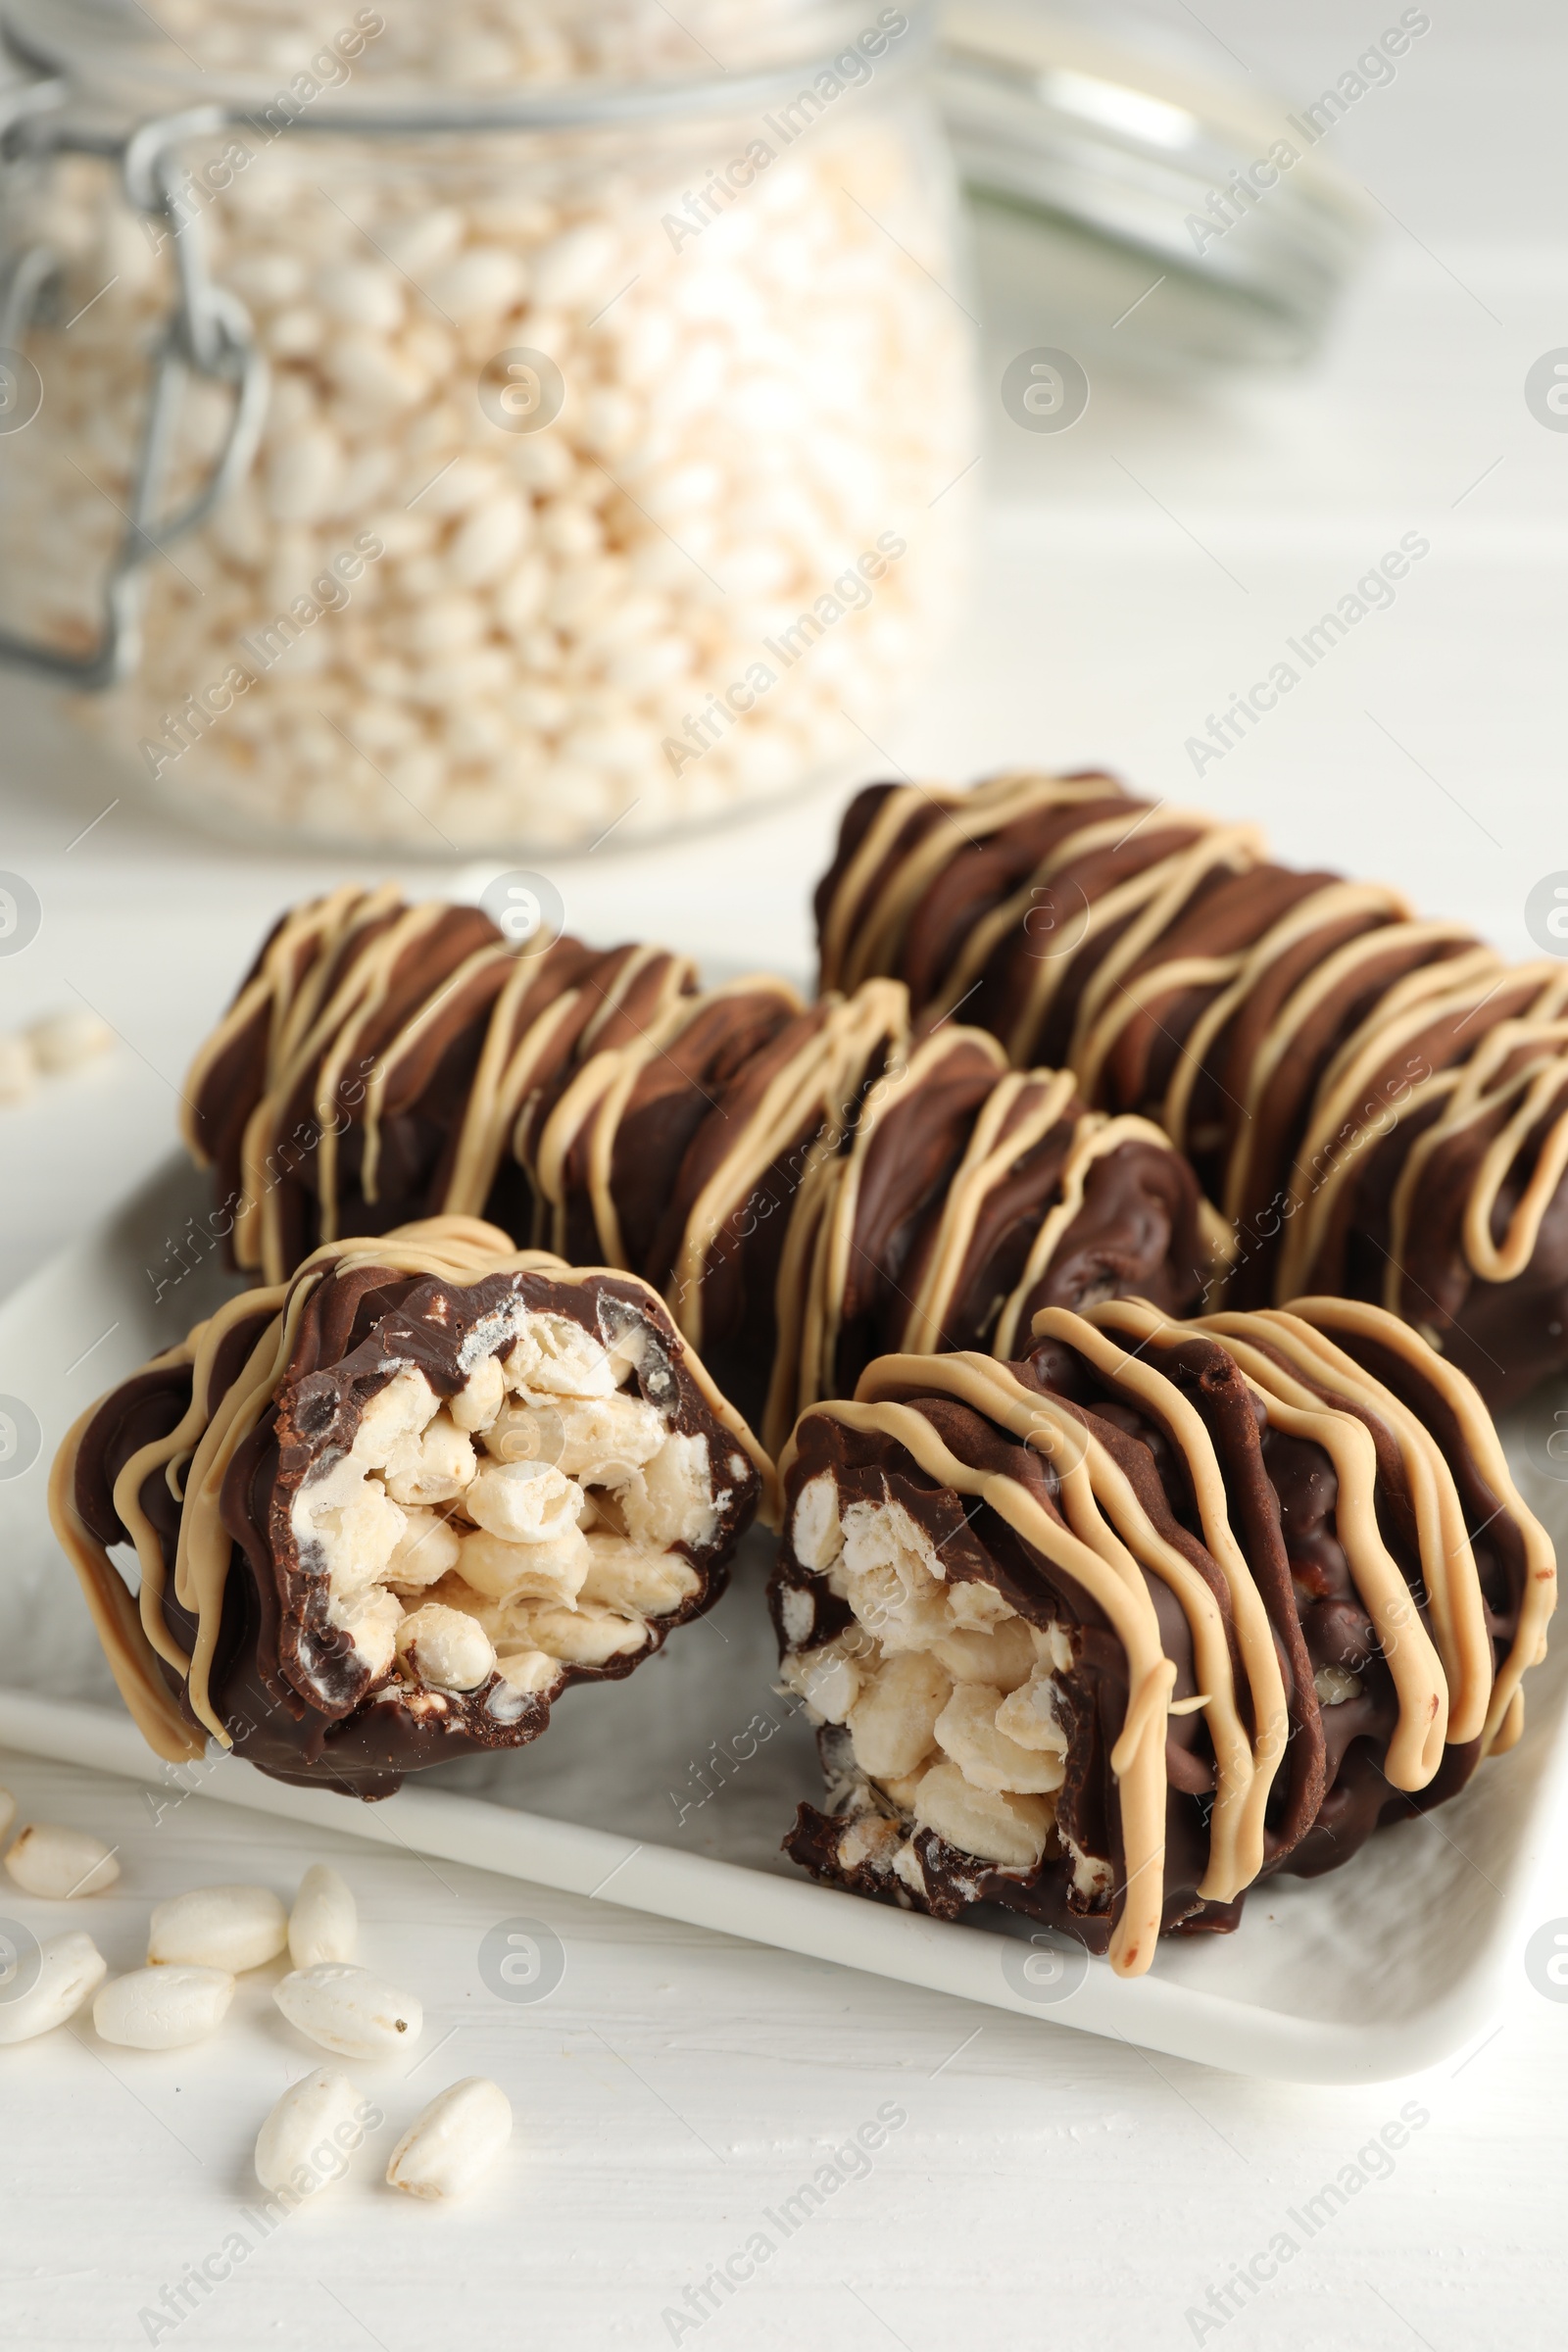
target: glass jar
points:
(478, 426)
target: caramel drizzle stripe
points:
(205, 1548)
(985, 1163)
(802, 1087)
(303, 979)
(1138, 1758)
(1094, 1137)
(1280, 1040)
(203, 1551)
(249, 1238)
(832, 1274)
(1008, 798)
(317, 924)
(1472, 1097)
(1239, 846)
(1135, 996)
(606, 1078)
(1103, 1509)
(256, 992)
(1315, 990)
(1524, 1226)
(1447, 1564)
(837, 943)
(851, 1041)
(115, 1615)
(1415, 1749)
(1337, 1133)
(880, 935)
(472, 967)
(1505, 1713)
(820, 1077)
(299, 1028)
(635, 1059)
(207, 1440)
(249, 1235)
(171, 1454)
(844, 946)
(298, 1014)
(294, 966)
(790, 1384)
(581, 1098)
(833, 1240)
(1441, 1086)
(678, 971)
(821, 1318)
(1325, 908)
(837, 1189)
(1098, 1343)
(1325, 979)
(261, 1225)
(1011, 913)
(1151, 898)
(500, 1083)
(379, 970)
(1449, 978)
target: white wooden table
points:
(1042, 2188)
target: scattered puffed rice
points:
(349, 2010)
(163, 2008)
(232, 1928)
(8, 1810)
(304, 2144)
(447, 2149)
(324, 1924)
(62, 1041)
(59, 1863)
(70, 1967)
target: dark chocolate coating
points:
(1330, 1792)
(1504, 1334)
(701, 1088)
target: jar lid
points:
(433, 63)
(1076, 118)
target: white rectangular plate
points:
(669, 1792)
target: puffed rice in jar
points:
(608, 471)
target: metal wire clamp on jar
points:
(505, 468)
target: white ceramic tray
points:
(669, 1792)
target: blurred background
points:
(1063, 475)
